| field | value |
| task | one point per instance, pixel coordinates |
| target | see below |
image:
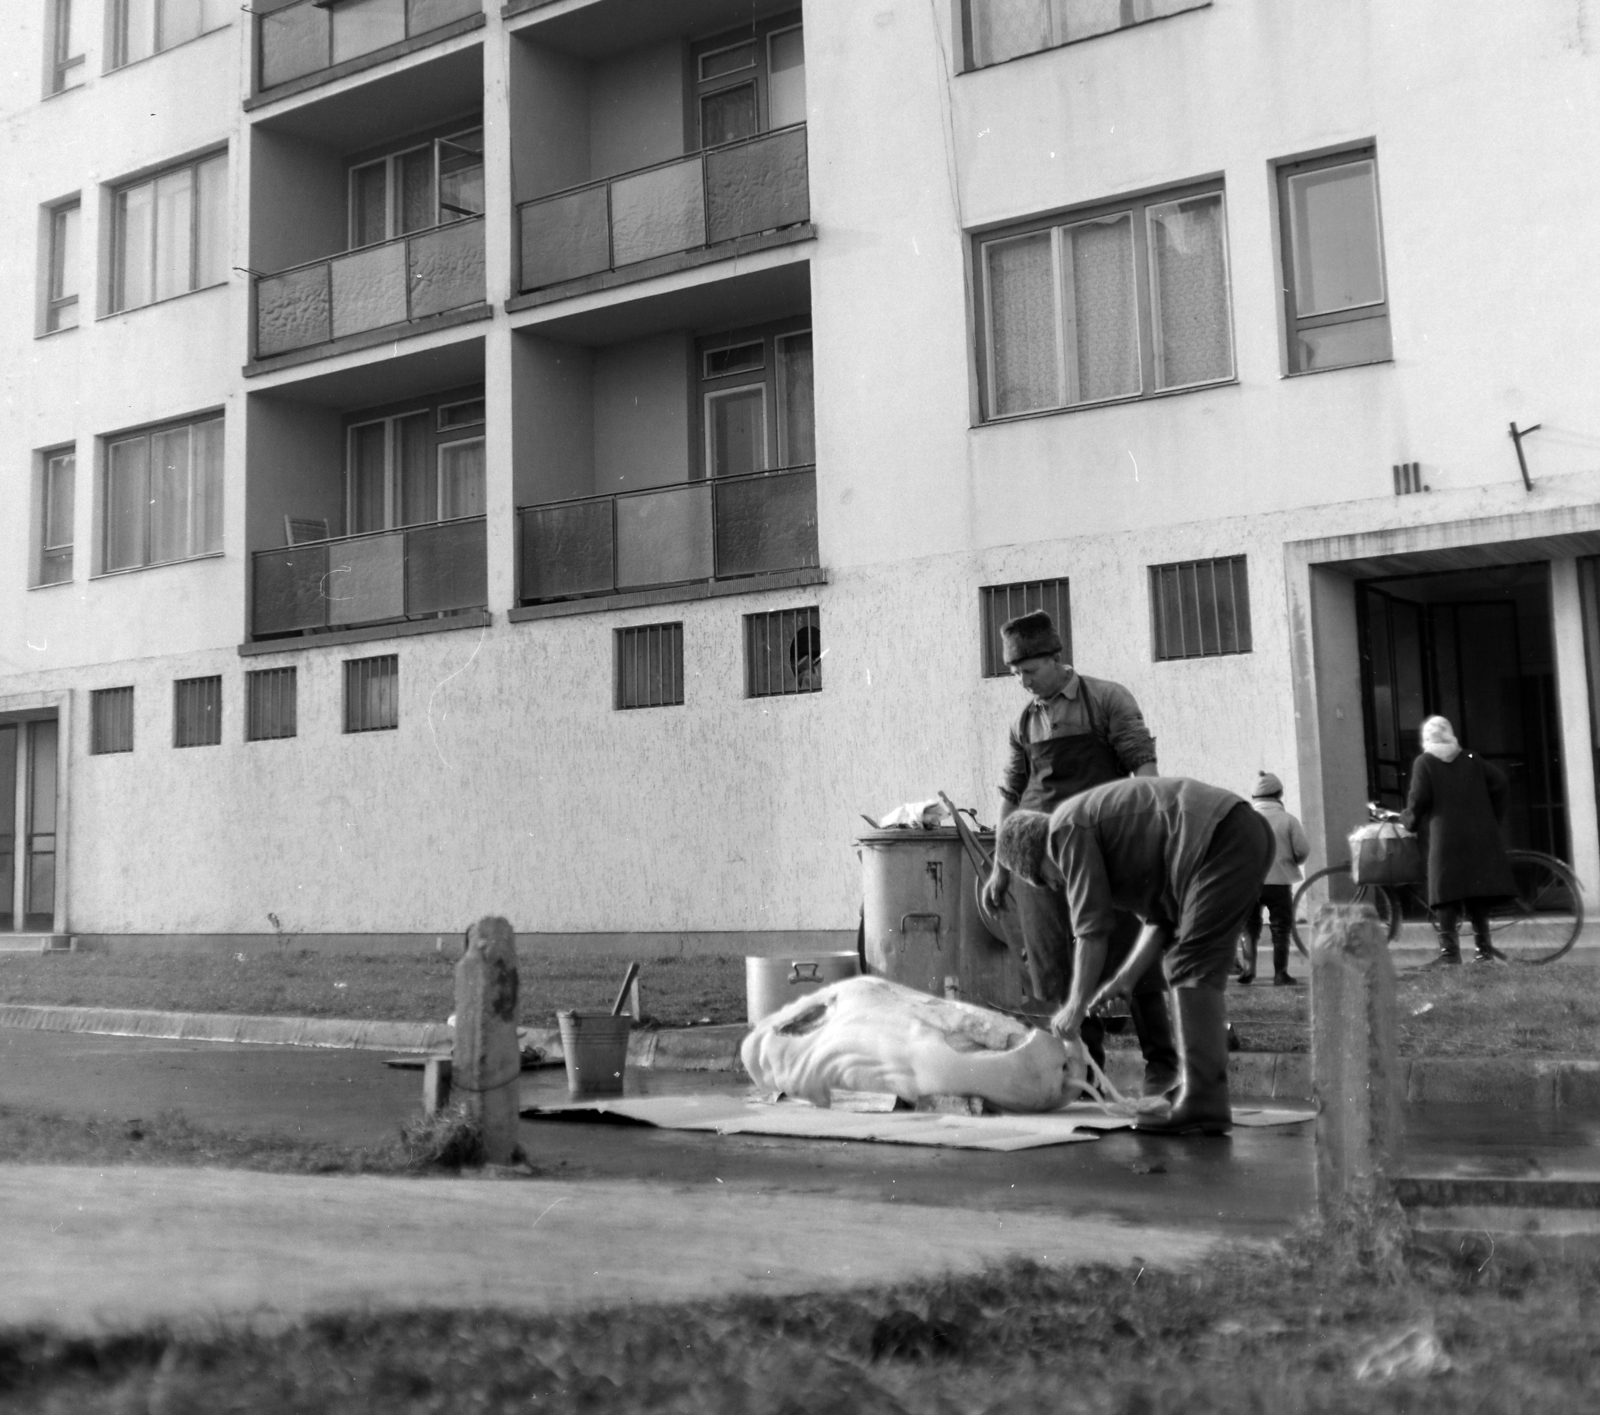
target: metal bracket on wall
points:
(1516, 436)
(1408, 478)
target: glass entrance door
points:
(28, 772)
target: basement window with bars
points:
(650, 666)
(1200, 608)
(998, 603)
(372, 693)
(110, 721)
(269, 704)
(197, 712)
(782, 653)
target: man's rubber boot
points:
(1203, 1106)
(1152, 1024)
(1247, 960)
(1449, 954)
(1280, 963)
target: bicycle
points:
(1538, 925)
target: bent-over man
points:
(1189, 860)
(1076, 733)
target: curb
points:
(1513, 1082)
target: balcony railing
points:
(635, 540)
(305, 36)
(377, 578)
(757, 184)
(427, 272)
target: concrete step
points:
(37, 943)
(1476, 1218)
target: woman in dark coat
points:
(1456, 804)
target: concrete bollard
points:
(487, 1065)
(1355, 1072)
(435, 1084)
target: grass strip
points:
(1281, 1330)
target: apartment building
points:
(570, 458)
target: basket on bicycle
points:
(1385, 852)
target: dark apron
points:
(1060, 767)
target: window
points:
(751, 81)
(1336, 302)
(57, 472)
(1200, 608)
(146, 27)
(197, 712)
(430, 185)
(66, 44)
(999, 603)
(269, 704)
(757, 404)
(372, 693)
(1116, 303)
(169, 234)
(650, 666)
(110, 720)
(412, 467)
(163, 495)
(61, 274)
(996, 30)
(782, 653)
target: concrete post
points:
(487, 1065)
(1577, 739)
(1355, 1072)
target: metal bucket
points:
(920, 920)
(595, 1045)
(771, 984)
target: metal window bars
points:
(1200, 608)
(197, 712)
(649, 666)
(782, 653)
(999, 603)
(110, 720)
(372, 693)
(270, 704)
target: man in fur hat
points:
(1075, 733)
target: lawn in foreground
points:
(1278, 1331)
(1467, 1011)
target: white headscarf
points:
(1439, 739)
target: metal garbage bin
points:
(920, 921)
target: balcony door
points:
(758, 408)
(416, 467)
(750, 81)
(28, 784)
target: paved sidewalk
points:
(89, 1250)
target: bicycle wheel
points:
(1544, 919)
(1325, 887)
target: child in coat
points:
(1278, 890)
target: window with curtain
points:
(145, 27)
(997, 30)
(57, 473)
(162, 495)
(1336, 300)
(170, 234)
(1113, 304)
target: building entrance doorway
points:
(28, 760)
(1477, 647)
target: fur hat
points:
(1030, 635)
(1267, 785)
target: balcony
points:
(382, 577)
(305, 37)
(377, 287)
(691, 203)
(761, 523)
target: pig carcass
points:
(868, 1034)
